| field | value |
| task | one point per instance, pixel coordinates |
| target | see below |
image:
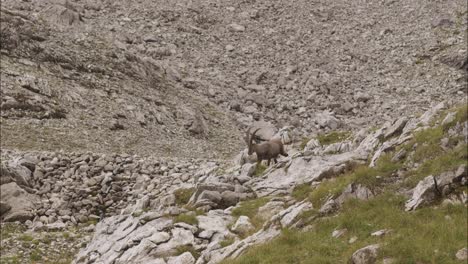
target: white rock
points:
(338, 233)
(185, 258)
(243, 225)
(381, 232)
(270, 209)
(462, 254)
(422, 194)
(366, 255)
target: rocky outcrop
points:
(17, 204)
(431, 188)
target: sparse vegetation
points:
(259, 169)
(447, 161)
(333, 137)
(425, 236)
(301, 191)
(183, 195)
(187, 248)
(304, 142)
(250, 209)
(190, 219)
(227, 242)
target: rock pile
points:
(77, 188)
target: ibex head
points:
(250, 140)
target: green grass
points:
(259, 169)
(8, 229)
(360, 174)
(301, 192)
(187, 248)
(36, 255)
(304, 142)
(333, 137)
(447, 161)
(227, 242)
(424, 236)
(183, 195)
(11, 260)
(26, 238)
(461, 115)
(190, 219)
(250, 209)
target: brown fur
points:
(266, 150)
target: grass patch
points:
(362, 174)
(187, 248)
(333, 137)
(227, 242)
(304, 142)
(301, 192)
(190, 219)
(250, 209)
(447, 161)
(424, 236)
(8, 229)
(461, 115)
(36, 255)
(183, 195)
(259, 169)
(26, 238)
(11, 260)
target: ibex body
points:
(266, 150)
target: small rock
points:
(462, 254)
(366, 255)
(229, 47)
(353, 239)
(380, 232)
(236, 27)
(184, 258)
(243, 225)
(339, 233)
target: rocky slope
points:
(163, 211)
(120, 124)
(147, 77)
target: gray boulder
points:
(366, 255)
(20, 202)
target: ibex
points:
(266, 150)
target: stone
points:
(424, 193)
(4, 207)
(356, 191)
(57, 226)
(289, 215)
(330, 206)
(229, 47)
(449, 118)
(381, 232)
(236, 27)
(396, 127)
(462, 254)
(20, 202)
(230, 198)
(212, 196)
(353, 239)
(361, 97)
(184, 258)
(271, 208)
(242, 225)
(159, 237)
(327, 120)
(338, 233)
(248, 170)
(366, 255)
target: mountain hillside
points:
(123, 131)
